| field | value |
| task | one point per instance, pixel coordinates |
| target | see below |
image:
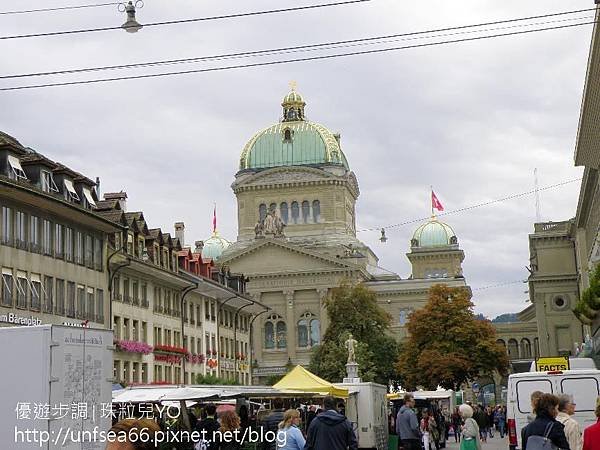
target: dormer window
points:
(48, 184)
(88, 199)
(16, 172)
(287, 135)
(70, 194)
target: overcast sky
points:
(472, 119)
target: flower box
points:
(195, 359)
(169, 359)
(133, 347)
(170, 349)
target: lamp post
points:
(250, 338)
(184, 292)
(131, 25)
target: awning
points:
(71, 189)
(88, 196)
(300, 379)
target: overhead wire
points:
(58, 8)
(180, 21)
(377, 40)
(288, 61)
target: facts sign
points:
(552, 364)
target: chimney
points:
(98, 187)
(180, 232)
(121, 197)
(199, 246)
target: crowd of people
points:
(551, 422)
(325, 428)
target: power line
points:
(492, 286)
(198, 19)
(58, 8)
(478, 205)
(309, 47)
(288, 61)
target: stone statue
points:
(258, 230)
(270, 223)
(350, 343)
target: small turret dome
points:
(434, 234)
(214, 246)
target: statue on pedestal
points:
(350, 343)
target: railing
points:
(118, 297)
(21, 244)
(552, 226)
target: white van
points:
(582, 384)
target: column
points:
(323, 319)
(290, 320)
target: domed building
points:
(214, 246)
(296, 198)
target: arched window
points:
(287, 135)
(501, 342)
(305, 211)
(283, 210)
(273, 207)
(262, 212)
(303, 333)
(281, 337)
(269, 335)
(525, 348)
(316, 211)
(315, 332)
(295, 212)
(513, 349)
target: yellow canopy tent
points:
(300, 379)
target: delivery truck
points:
(56, 387)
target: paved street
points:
(492, 444)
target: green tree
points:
(213, 379)
(447, 345)
(353, 309)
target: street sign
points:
(552, 364)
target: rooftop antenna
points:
(538, 213)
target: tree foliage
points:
(213, 379)
(353, 309)
(447, 345)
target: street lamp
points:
(131, 25)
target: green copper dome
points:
(433, 234)
(214, 246)
(294, 141)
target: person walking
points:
(566, 408)
(330, 430)
(591, 435)
(545, 424)
(490, 421)
(226, 440)
(289, 436)
(481, 419)
(456, 424)
(407, 425)
(271, 423)
(501, 418)
(471, 439)
(426, 422)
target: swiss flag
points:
(435, 203)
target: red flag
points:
(215, 218)
(435, 203)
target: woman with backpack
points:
(545, 432)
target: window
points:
(91, 304)
(7, 234)
(281, 337)
(7, 287)
(47, 237)
(36, 289)
(303, 333)
(69, 191)
(99, 305)
(68, 244)
(70, 299)
(89, 250)
(20, 230)
(144, 295)
(126, 334)
(16, 171)
(525, 348)
(88, 200)
(130, 243)
(262, 212)
(287, 135)
(80, 302)
(48, 184)
(135, 293)
(315, 332)
(59, 300)
(295, 212)
(524, 390)
(48, 294)
(58, 241)
(283, 211)
(34, 234)
(308, 330)
(126, 295)
(79, 247)
(585, 391)
(316, 211)
(305, 211)
(21, 290)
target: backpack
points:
(542, 442)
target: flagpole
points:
(431, 199)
